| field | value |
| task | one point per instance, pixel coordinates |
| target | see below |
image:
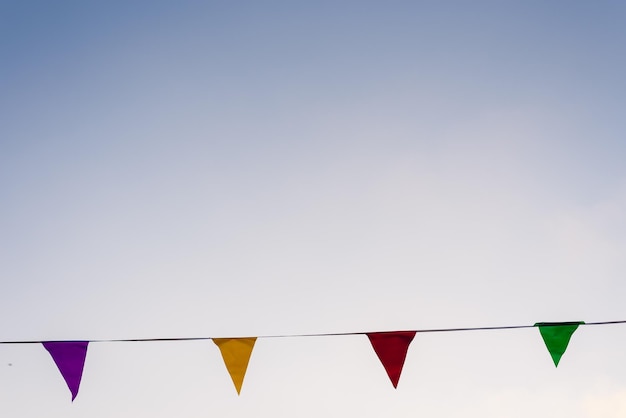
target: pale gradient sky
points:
(174, 169)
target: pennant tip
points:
(74, 392)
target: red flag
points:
(391, 349)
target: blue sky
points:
(211, 169)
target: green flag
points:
(556, 335)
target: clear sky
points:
(179, 169)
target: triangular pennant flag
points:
(556, 335)
(69, 357)
(236, 354)
(391, 349)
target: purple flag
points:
(69, 357)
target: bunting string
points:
(336, 334)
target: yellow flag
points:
(236, 354)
